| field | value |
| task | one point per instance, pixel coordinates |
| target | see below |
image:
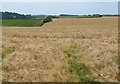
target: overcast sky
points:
(60, 0)
(36, 8)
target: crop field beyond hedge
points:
(22, 22)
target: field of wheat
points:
(65, 50)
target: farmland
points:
(22, 22)
(64, 50)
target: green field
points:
(22, 22)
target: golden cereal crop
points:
(39, 51)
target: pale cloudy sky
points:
(65, 6)
(59, 0)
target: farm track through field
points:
(38, 53)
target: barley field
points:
(65, 50)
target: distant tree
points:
(55, 16)
(0, 15)
(97, 15)
(67, 15)
(89, 15)
(47, 19)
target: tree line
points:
(12, 15)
